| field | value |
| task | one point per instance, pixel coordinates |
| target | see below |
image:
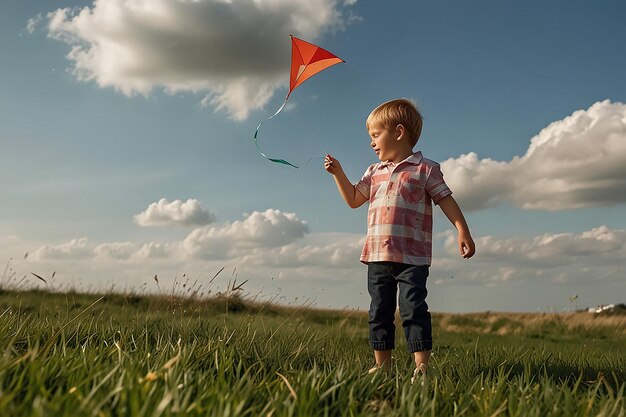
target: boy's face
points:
(385, 143)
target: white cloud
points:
(159, 250)
(256, 235)
(271, 228)
(548, 268)
(579, 161)
(235, 52)
(138, 252)
(338, 252)
(116, 250)
(175, 213)
(74, 249)
(595, 247)
(33, 23)
(278, 241)
(596, 254)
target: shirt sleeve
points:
(436, 187)
(366, 182)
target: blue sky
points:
(126, 144)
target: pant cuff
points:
(382, 345)
(420, 346)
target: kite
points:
(306, 61)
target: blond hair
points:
(401, 111)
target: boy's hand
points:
(454, 214)
(347, 190)
(466, 245)
(331, 165)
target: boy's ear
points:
(400, 131)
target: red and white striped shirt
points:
(400, 219)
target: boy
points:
(400, 190)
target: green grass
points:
(125, 355)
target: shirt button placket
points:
(387, 194)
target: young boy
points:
(400, 190)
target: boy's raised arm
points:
(347, 190)
(453, 212)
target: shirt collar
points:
(415, 159)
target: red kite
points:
(306, 61)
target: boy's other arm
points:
(348, 191)
(453, 212)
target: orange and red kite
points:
(306, 61)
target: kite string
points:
(359, 86)
(283, 161)
(312, 132)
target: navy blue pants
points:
(384, 281)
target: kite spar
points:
(306, 61)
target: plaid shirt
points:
(400, 219)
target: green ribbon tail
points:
(256, 134)
(282, 161)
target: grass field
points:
(125, 355)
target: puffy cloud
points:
(271, 228)
(560, 257)
(116, 250)
(159, 250)
(33, 24)
(74, 249)
(274, 247)
(232, 51)
(339, 252)
(252, 238)
(579, 161)
(176, 213)
(274, 240)
(600, 243)
(130, 251)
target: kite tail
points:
(256, 134)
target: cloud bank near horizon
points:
(257, 232)
(576, 162)
(277, 252)
(236, 53)
(273, 240)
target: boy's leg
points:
(416, 319)
(382, 288)
(421, 360)
(383, 358)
